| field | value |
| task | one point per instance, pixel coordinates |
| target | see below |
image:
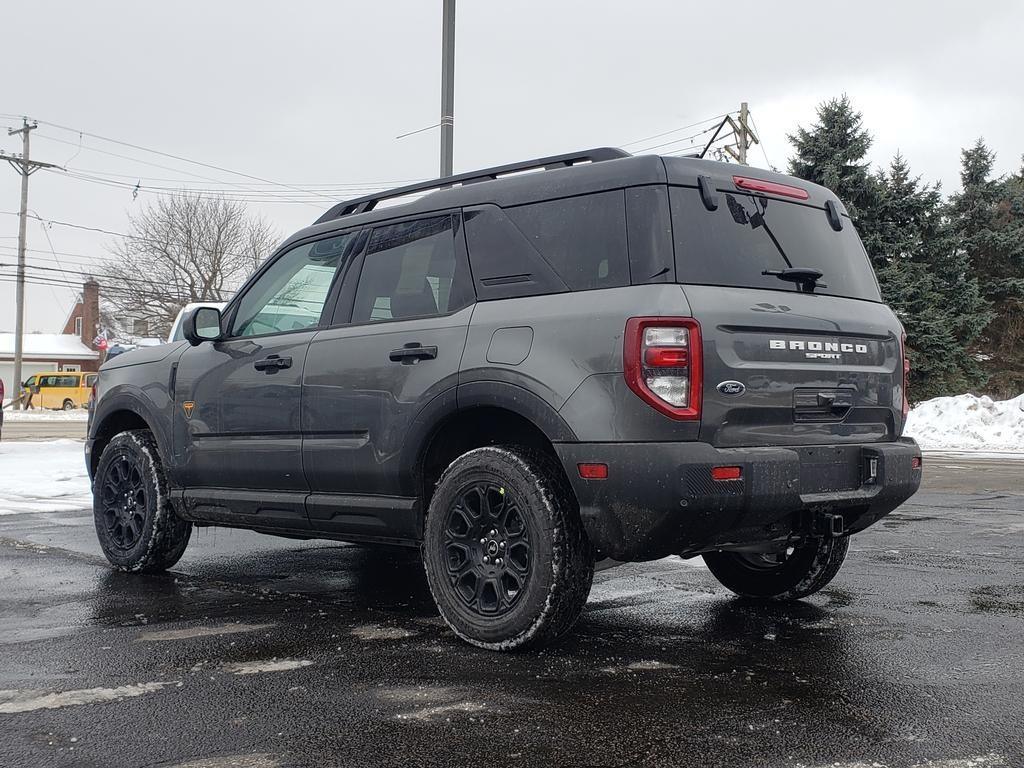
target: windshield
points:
(750, 234)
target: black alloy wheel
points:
(122, 498)
(487, 547)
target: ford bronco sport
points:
(607, 357)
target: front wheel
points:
(797, 571)
(508, 562)
(136, 527)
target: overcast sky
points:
(315, 93)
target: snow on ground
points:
(79, 414)
(968, 423)
(45, 476)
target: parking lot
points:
(266, 652)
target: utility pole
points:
(26, 168)
(447, 86)
(745, 137)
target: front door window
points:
(291, 294)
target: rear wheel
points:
(69, 405)
(506, 557)
(136, 527)
(795, 572)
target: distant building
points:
(72, 350)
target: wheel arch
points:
(118, 414)
(485, 413)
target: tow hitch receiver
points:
(823, 524)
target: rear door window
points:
(748, 234)
(583, 238)
(411, 270)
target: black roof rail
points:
(368, 203)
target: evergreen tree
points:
(922, 273)
(928, 283)
(832, 153)
(988, 219)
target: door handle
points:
(272, 363)
(412, 353)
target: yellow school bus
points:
(65, 390)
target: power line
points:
(138, 160)
(255, 186)
(763, 150)
(106, 288)
(106, 231)
(46, 234)
(180, 158)
(674, 130)
(235, 196)
(242, 196)
(55, 253)
(679, 141)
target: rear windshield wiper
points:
(806, 278)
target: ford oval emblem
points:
(732, 388)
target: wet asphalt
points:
(257, 652)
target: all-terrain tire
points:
(812, 565)
(512, 484)
(136, 526)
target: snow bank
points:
(46, 476)
(968, 423)
(38, 414)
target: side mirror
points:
(201, 324)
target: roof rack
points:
(368, 203)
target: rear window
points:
(748, 234)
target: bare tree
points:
(181, 249)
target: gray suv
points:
(530, 368)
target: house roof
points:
(47, 346)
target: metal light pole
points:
(447, 86)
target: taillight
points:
(771, 187)
(906, 375)
(662, 357)
(92, 397)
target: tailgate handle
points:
(836, 401)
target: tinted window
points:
(505, 264)
(291, 294)
(410, 270)
(583, 238)
(748, 234)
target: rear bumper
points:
(660, 498)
